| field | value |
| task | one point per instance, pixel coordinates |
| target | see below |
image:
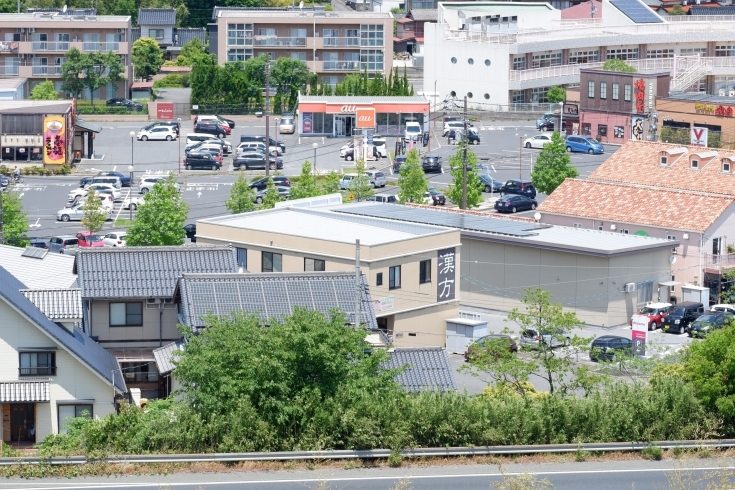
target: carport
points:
(84, 134)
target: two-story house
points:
(409, 37)
(158, 24)
(127, 300)
(49, 372)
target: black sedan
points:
(431, 163)
(547, 125)
(606, 347)
(489, 184)
(254, 159)
(131, 105)
(514, 203)
(229, 122)
(191, 232)
(434, 197)
(278, 180)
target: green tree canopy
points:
(556, 94)
(360, 186)
(271, 196)
(44, 91)
(160, 219)
(194, 53)
(94, 214)
(147, 57)
(616, 64)
(72, 72)
(90, 71)
(15, 220)
(307, 185)
(411, 180)
(290, 76)
(474, 184)
(553, 165)
(242, 197)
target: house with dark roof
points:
(157, 24)
(422, 369)
(49, 371)
(128, 300)
(409, 36)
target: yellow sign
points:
(54, 140)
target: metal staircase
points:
(687, 74)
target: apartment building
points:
(332, 44)
(527, 48)
(33, 45)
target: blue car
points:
(584, 144)
(549, 116)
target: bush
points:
(85, 107)
(172, 80)
(37, 170)
(654, 453)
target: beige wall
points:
(143, 336)
(73, 380)
(424, 328)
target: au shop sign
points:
(365, 118)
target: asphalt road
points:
(614, 475)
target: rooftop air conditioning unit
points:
(629, 287)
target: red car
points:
(651, 316)
(87, 239)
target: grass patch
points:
(123, 222)
(654, 453)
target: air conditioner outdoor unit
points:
(120, 31)
(31, 30)
(21, 30)
(168, 300)
(629, 287)
(31, 56)
(153, 301)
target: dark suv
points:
(131, 105)
(203, 160)
(681, 316)
(210, 127)
(606, 347)
(521, 187)
(712, 320)
(124, 179)
(278, 180)
(431, 163)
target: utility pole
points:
(267, 114)
(1, 230)
(358, 283)
(464, 158)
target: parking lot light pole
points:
(520, 155)
(178, 137)
(131, 169)
(315, 145)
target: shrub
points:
(172, 80)
(654, 453)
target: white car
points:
(537, 141)
(107, 189)
(456, 125)
(258, 145)
(77, 194)
(132, 202)
(76, 213)
(413, 131)
(146, 184)
(115, 239)
(166, 133)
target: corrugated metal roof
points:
(347, 99)
(156, 17)
(87, 126)
(426, 368)
(165, 356)
(54, 271)
(146, 272)
(24, 391)
(57, 304)
(76, 342)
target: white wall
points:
(614, 17)
(168, 32)
(528, 18)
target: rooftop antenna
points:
(301, 5)
(63, 10)
(593, 9)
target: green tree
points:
(307, 185)
(271, 196)
(553, 166)
(15, 220)
(331, 183)
(677, 10)
(242, 197)
(474, 184)
(193, 53)
(72, 73)
(147, 57)
(100, 69)
(616, 64)
(44, 91)
(360, 186)
(94, 214)
(556, 94)
(411, 180)
(160, 219)
(290, 76)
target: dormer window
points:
(669, 156)
(699, 160)
(726, 165)
(664, 160)
(695, 163)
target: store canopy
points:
(87, 126)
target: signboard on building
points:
(699, 136)
(445, 277)
(640, 95)
(384, 304)
(571, 110)
(365, 118)
(636, 128)
(307, 126)
(639, 332)
(165, 110)
(54, 140)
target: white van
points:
(287, 125)
(107, 179)
(413, 131)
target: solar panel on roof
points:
(36, 253)
(636, 11)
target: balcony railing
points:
(44, 70)
(141, 377)
(342, 41)
(37, 371)
(94, 46)
(280, 41)
(8, 71)
(8, 47)
(62, 46)
(341, 66)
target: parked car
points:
(519, 187)
(213, 149)
(212, 127)
(4, 182)
(490, 185)
(708, 322)
(124, 179)
(681, 316)
(115, 239)
(106, 189)
(173, 124)
(454, 125)
(145, 184)
(514, 203)
(456, 134)
(105, 199)
(652, 314)
(191, 232)
(397, 162)
(283, 191)
(347, 181)
(58, 244)
(196, 140)
(76, 194)
(413, 131)
(547, 125)
(271, 141)
(584, 144)
(431, 163)
(723, 307)
(434, 197)
(254, 159)
(202, 160)
(287, 124)
(229, 122)
(275, 151)
(87, 239)
(132, 202)
(490, 341)
(548, 116)
(39, 243)
(607, 347)
(131, 105)
(225, 123)
(377, 179)
(349, 154)
(533, 339)
(112, 180)
(537, 141)
(379, 143)
(382, 198)
(166, 133)
(278, 180)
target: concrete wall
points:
(424, 327)
(73, 380)
(143, 336)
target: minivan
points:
(107, 179)
(681, 316)
(584, 144)
(251, 137)
(517, 186)
(413, 131)
(64, 242)
(377, 179)
(287, 124)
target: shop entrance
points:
(22, 422)
(343, 125)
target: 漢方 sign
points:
(445, 277)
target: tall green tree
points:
(290, 76)
(556, 94)
(44, 91)
(360, 187)
(616, 64)
(271, 196)
(72, 72)
(411, 180)
(15, 220)
(307, 185)
(94, 214)
(160, 219)
(193, 53)
(147, 57)
(474, 184)
(101, 69)
(553, 166)
(242, 197)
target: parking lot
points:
(206, 191)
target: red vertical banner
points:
(165, 110)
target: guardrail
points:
(376, 453)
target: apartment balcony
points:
(45, 46)
(46, 71)
(280, 42)
(338, 42)
(8, 71)
(9, 46)
(103, 47)
(341, 66)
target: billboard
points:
(445, 285)
(365, 118)
(306, 122)
(54, 140)
(165, 110)
(699, 137)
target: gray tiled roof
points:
(344, 99)
(429, 15)
(53, 271)
(146, 272)
(427, 368)
(271, 295)
(165, 356)
(187, 34)
(57, 304)
(156, 17)
(724, 10)
(76, 342)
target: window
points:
(331, 81)
(695, 163)
(664, 160)
(371, 35)
(545, 60)
(394, 277)
(577, 225)
(726, 165)
(659, 53)
(623, 54)
(591, 89)
(602, 130)
(717, 246)
(518, 96)
(271, 262)
(603, 90)
(236, 54)
(538, 94)
(615, 91)
(371, 59)
(619, 131)
(239, 34)
(645, 291)
(126, 314)
(587, 129)
(627, 92)
(298, 33)
(379, 279)
(623, 231)
(68, 412)
(470, 61)
(155, 33)
(487, 63)
(330, 37)
(672, 288)
(519, 62)
(453, 60)
(425, 271)
(299, 55)
(469, 95)
(242, 257)
(693, 51)
(37, 364)
(725, 50)
(313, 265)
(580, 57)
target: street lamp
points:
(132, 162)
(561, 119)
(178, 137)
(130, 193)
(315, 145)
(520, 155)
